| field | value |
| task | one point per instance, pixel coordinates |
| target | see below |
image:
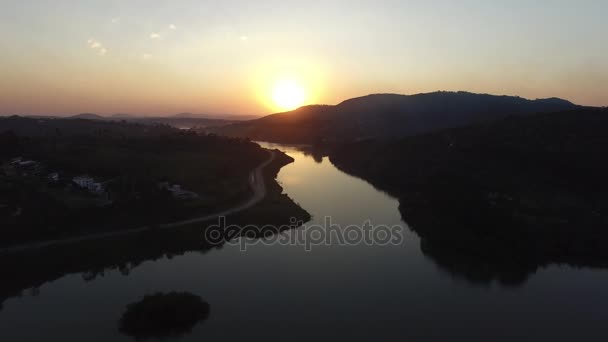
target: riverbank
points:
(30, 269)
(503, 198)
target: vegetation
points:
(517, 193)
(130, 160)
(53, 127)
(164, 315)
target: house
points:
(89, 183)
(27, 163)
(186, 195)
(26, 167)
(84, 181)
(53, 177)
(164, 185)
(20, 162)
(177, 192)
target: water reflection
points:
(351, 208)
(476, 270)
(420, 291)
(93, 259)
(163, 315)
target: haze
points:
(149, 57)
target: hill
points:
(518, 193)
(49, 127)
(227, 117)
(389, 116)
(178, 121)
(88, 116)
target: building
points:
(53, 177)
(27, 163)
(25, 167)
(177, 192)
(89, 183)
(164, 185)
(185, 195)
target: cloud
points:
(93, 44)
(97, 46)
(155, 35)
(172, 27)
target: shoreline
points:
(127, 252)
(257, 182)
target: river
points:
(360, 292)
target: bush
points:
(163, 315)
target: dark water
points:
(360, 292)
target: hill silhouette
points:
(228, 117)
(88, 116)
(178, 121)
(389, 116)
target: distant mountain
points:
(180, 116)
(389, 116)
(185, 115)
(41, 117)
(49, 127)
(182, 121)
(121, 116)
(230, 117)
(88, 116)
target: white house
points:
(177, 191)
(88, 183)
(53, 177)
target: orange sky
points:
(156, 57)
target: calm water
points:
(361, 292)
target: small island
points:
(164, 315)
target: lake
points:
(359, 292)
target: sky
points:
(151, 57)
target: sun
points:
(288, 95)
